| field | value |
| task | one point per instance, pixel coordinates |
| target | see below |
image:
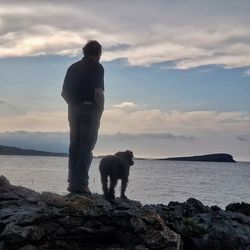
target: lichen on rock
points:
(30, 220)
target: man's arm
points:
(99, 99)
(66, 93)
(99, 88)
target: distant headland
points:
(5, 150)
(222, 157)
(208, 158)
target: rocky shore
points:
(30, 221)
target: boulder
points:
(204, 228)
(242, 207)
(34, 221)
(30, 221)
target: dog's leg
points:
(123, 187)
(104, 180)
(113, 182)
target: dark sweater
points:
(81, 80)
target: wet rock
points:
(34, 221)
(4, 181)
(51, 221)
(52, 199)
(187, 209)
(215, 208)
(204, 228)
(242, 207)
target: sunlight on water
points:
(150, 181)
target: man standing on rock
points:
(83, 90)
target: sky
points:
(177, 74)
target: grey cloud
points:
(147, 136)
(239, 119)
(215, 35)
(8, 109)
(47, 141)
(118, 47)
(168, 136)
(31, 18)
(150, 147)
(58, 141)
(242, 138)
(123, 15)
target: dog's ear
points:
(129, 156)
(130, 153)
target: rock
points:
(33, 221)
(52, 199)
(204, 228)
(189, 208)
(4, 181)
(242, 207)
(215, 208)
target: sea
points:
(150, 181)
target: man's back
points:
(81, 80)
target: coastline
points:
(51, 221)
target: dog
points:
(115, 167)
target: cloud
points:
(142, 144)
(9, 110)
(125, 105)
(136, 121)
(59, 141)
(242, 138)
(157, 121)
(146, 136)
(247, 73)
(47, 141)
(35, 121)
(191, 34)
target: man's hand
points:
(99, 99)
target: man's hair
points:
(92, 48)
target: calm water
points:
(150, 181)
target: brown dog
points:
(115, 167)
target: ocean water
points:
(151, 181)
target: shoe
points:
(71, 188)
(79, 189)
(84, 189)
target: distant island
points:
(208, 158)
(5, 150)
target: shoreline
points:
(48, 220)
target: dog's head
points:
(126, 155)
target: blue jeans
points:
(84, 122)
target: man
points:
(83, 90)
